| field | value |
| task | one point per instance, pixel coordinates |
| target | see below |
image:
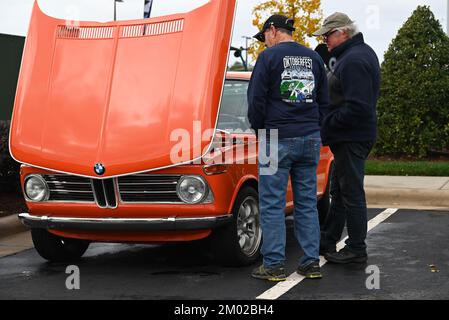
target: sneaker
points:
(270, 274)
(346, 256)
(311, 271)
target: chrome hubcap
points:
(248, 226)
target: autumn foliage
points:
(306, 13)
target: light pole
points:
(115, 8)
(246, 48)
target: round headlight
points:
(192, 189)
(36, 188)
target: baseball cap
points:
(278, 21)
(335, 20)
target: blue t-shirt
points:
(288, 91)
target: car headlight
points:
(192, 189)
(36, 188)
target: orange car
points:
(110, 123)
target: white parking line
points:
(282, 287)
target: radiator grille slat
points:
(139, 188)
(148, 188)
(69, 188)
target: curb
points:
(408, 197)
(11, 225)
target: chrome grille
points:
(69, 188)
(104, 192)
(144, 188)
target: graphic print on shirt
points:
(298, 81)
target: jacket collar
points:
(354, 41)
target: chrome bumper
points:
(118, 224)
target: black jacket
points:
(354, 86)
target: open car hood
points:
(120, 94)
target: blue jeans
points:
(348, 196)
(297, 157)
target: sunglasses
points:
(327, 35)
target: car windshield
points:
(234, 107)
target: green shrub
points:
(413, 109)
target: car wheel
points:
(57, 249)
(324, 204)
(238, 242)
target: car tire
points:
(324, 204)
(57, 249)
(238, 242)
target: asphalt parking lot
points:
(409, 249)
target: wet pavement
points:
(409, 249)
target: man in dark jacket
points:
(287, 96)
(350, 129)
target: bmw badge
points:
(99, 169)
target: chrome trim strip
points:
(71, 201)
(69, 191)
(147, 192)
(118, 224)
(150, 183)
(171, 175)
(68, 182)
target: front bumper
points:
(119, 224)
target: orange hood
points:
(113, 93)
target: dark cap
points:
(278, 21)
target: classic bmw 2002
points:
(96, 110)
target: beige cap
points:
(335, 20)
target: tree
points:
(237, 66)
(307, 15)
(413, 109)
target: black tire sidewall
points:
(52, 248)
(225, 240)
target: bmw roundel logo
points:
(99, 169)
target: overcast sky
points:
(379, 20)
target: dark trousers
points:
(348, 196)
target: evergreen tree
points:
(237, 66)
(413, 109)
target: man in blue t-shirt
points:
(287, 97)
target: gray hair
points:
(350, 29)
